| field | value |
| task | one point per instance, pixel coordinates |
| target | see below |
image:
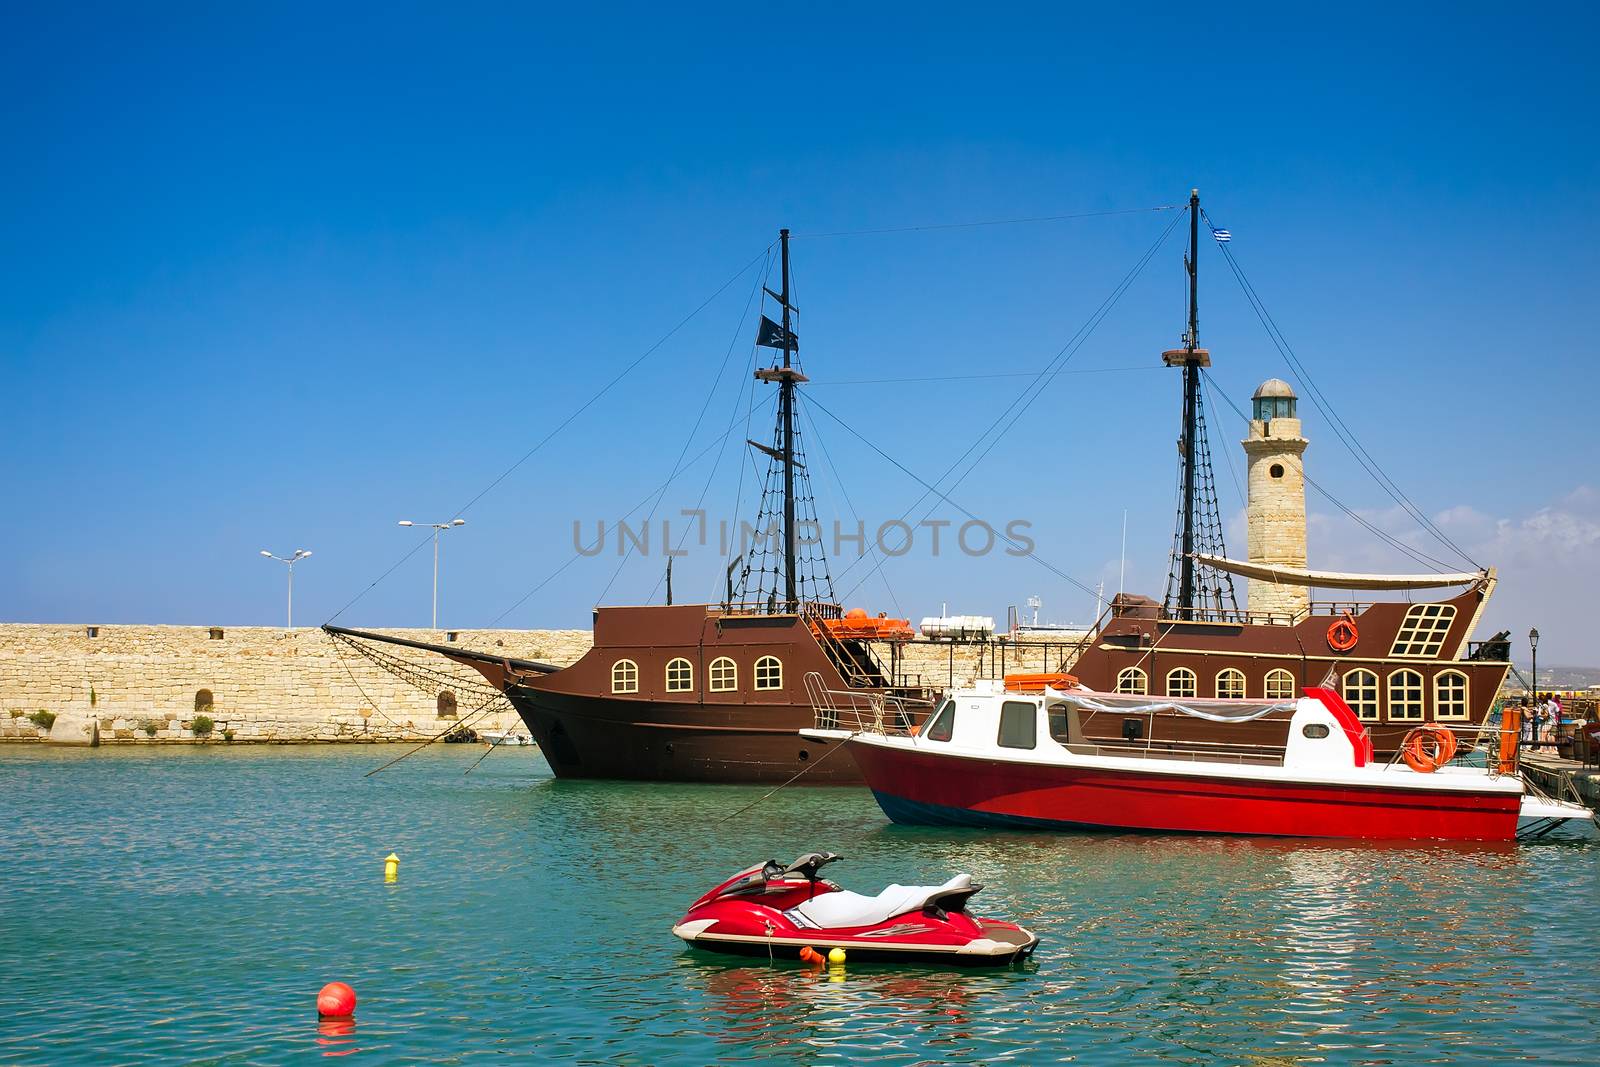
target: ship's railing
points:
(810, 609)
(860, 710)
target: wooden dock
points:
(1553, 774)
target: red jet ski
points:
(770, 909)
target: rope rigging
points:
(1013, 412)
(1325, 407)
(1416, 554)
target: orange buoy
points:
(811, 955)
(336, 1001)
(1427, 748)
(1342, 635)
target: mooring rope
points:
(808, 768)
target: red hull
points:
(922, 788)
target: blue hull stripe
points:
(917, 813)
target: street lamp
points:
(1533, 705)
(299, 554)
(438, 528)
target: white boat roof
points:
(1340, 579)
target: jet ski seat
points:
(843, 909)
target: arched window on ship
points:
(724, 674)
(769, 673)
(680, 676)
(1230, 684)
(1280, 685)
(1181, 682)
(624, 676)
(1133, 681)
(1361, 693)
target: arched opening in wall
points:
(202, 701)
(447, 704)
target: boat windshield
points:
(943, 724)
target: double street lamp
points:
(299, 554)
(438, 528)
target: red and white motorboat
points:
(775, 910)
(989, 757)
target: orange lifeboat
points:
(857, 625)
(1036, 681)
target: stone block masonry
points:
(150, 683)
(143, 684)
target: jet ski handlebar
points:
(807, 864)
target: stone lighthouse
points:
(1276, 512)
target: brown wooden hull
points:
(598, 737)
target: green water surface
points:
(184, 905)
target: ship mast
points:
(1191, 393)
(786, 405)
(783, 571)
(1194, 592)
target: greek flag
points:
(1222, 236)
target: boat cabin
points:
(1322, 735)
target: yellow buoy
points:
(836, 955)
(391, 867)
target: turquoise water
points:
(184, 905)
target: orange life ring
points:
(1427, 748)
(1342, 635)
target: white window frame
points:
(1395, 701)
(684, 682)
(625, 676)
(769, 673)
(1194, 682)
(1368, 706)
(1464, 702)
(723, 675)
(1128, 677)
(1423, 631)
(1236, 683)
(1284, 681)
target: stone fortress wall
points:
(142, 684)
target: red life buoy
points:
(1342, 635)
(1427, 748)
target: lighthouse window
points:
(680, 676)
(1405, 696)
(1180, 682)
(1132, 680)
(1450, 695)
(1230, 684)
(769, 673)
(1276, 470)
(1361, 693)
(1019, 724)
(724, 675)
(1280, 685)
(624, 676)
(1423, 631)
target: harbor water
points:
(185, 904)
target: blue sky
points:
(279, 278)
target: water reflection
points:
(337, 1036)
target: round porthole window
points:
(1276, 470)
(804, 755)
(1315, 730)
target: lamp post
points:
(299, 554)
(438, 528)
(1533, 703)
